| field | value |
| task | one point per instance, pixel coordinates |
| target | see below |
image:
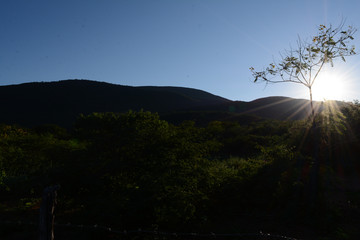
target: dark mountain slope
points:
(280, 108)
(61, 102)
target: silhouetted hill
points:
(61, 102)
(279, 108)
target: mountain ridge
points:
(61, 102)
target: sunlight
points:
(330, 85)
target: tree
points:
(303, 65)
(154, 172)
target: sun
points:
(330, 85)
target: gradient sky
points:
(203, 44)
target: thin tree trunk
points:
(314, 173)
(311, 104)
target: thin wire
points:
(160, 233)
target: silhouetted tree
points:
(303, 64)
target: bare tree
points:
(303, 64)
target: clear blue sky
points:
(203, 44)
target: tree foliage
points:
(134, 169)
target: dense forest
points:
(300, 178)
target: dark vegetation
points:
(135, 170)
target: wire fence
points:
(161, 234)
(47, 223)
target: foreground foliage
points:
(135, 170)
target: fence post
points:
(47, 209)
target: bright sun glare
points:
(330, 85)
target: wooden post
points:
(47, 210)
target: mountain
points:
(61, 102)
(279, 108)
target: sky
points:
(202, 44)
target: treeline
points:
(135, 170)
